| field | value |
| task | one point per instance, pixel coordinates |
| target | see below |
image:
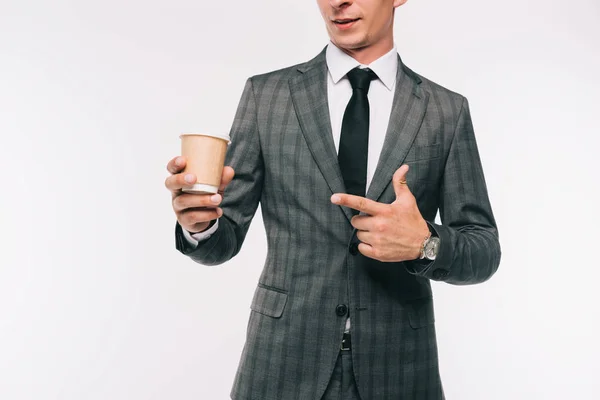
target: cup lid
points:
(223, 136)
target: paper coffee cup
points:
(205, 155)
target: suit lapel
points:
(408, 110)
(309, 95)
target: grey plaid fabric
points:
(342, 385)
(284, 156)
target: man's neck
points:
(366, 55)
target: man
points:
(343, 307)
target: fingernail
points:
(215, 198)
(189, 178)
(335, 198)
(179, 161)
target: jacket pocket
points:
(269, 301)
(420, 312)
(428, 152)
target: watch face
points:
(432, 248)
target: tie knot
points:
(361, 78)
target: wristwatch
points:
(430, 247)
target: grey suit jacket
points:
(284, 156)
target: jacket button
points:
(353, 249)
(341, 310)
(440, 274)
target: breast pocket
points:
(424, 163)
(423, 153)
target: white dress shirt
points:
(381, 95)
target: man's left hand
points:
(390, 232)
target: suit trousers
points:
(342, 385)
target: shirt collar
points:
(340, 63)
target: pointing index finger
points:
(359, 203)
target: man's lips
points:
(342, 21)
(344, 24)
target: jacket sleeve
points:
(469, 250)
(241, 196)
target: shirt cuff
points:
(195, 238)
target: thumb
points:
(226, 178)
(399, 180)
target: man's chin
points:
(348, 43)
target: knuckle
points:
(192, 217)
(177, 181)
(361, 203)
(204, 201)
(197, 216)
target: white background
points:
(96, 302)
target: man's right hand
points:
(194, 211)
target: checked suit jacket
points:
(284, 157)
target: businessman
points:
(351, 155)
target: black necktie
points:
(354, 140)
